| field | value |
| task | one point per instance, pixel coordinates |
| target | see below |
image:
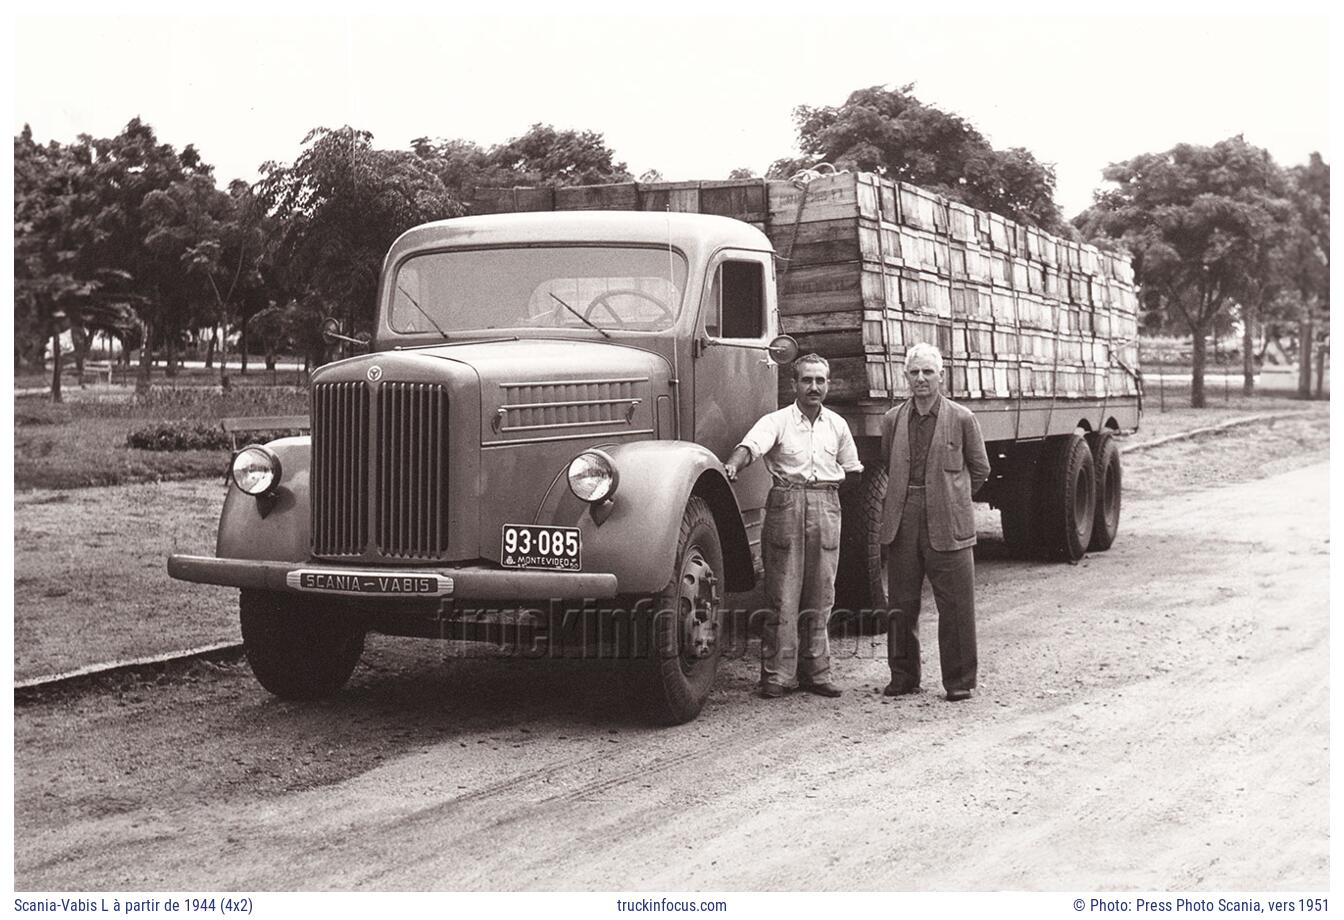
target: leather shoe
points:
(827, 689)
(770, 691)
(956, 696)
(895, 689)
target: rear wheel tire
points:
(1067, 498)
(686, 623)
(297, 649)
(861, 575)
(1106, 463)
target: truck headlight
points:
(593, 476)
(256, 470)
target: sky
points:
(692, 96)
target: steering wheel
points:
(603, 301)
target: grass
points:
(82, 442)
(90, 577)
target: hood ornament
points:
(375, 373)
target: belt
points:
(806, 486)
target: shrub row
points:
(194, 436)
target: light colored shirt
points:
(802, 452)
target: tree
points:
(546, 156)
(126, 170)
(337, 209)
(892, 133)
(1195, 218)
(743, 172)
(1308, 246)
(59, 285)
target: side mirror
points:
(783, 349)
(331, 334)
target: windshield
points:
(555, 287)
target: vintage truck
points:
(540, 424)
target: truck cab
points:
(540, 423)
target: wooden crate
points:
(844, 240)
(1001, 270)
(623, 197)
(1007, 343)
(511, 200)
(843, 196)
(1021, 276)
(970, 263)
(923, 209)
(971, 301)
(679, 197)
(1004, 303)
(972, 338)
(925, 292)
(744, 199)
(837, 286)
(962, 223)
(1002, 234)
(925, 251)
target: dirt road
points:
(1154, 718)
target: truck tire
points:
(687, 623)
(861, 576)
(1106, 463)
(296, 649)
(1066, 498)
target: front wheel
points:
(687, 623)
(297, 649)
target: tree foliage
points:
(338, 207)
(893, 133)
(1198, 220)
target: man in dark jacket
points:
(935, 462)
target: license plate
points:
(530, 546)
(382, 584)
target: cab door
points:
(735, 382)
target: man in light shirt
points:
(808, 449)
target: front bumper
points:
(476, 583)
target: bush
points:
(178, 436)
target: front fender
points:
(634, 536)
(271, 527)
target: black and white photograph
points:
(745, 459)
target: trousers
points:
(910, 559)
(800, 546)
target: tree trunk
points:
(242, 346)
(56, 366)
(146, 357)
(224, 355)
(210, 349)
(1306, 336)
(1198, 356)
(1321, 352)
(80, 342)
(1247, 354)
(170, 347)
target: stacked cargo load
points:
(870, 266)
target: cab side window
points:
(736, 308)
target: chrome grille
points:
(412, 476)
(340, 474)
